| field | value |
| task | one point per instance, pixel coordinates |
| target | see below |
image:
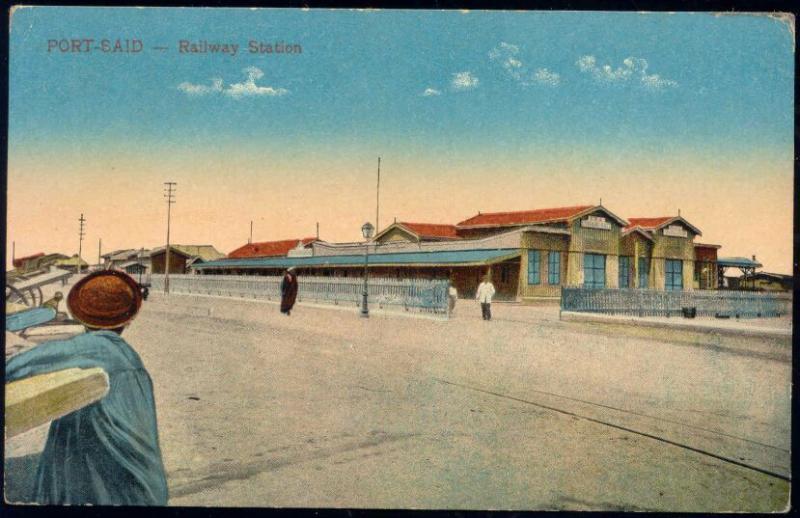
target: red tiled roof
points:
(268, 248)
(524, 217)
(654, 223)
(648, 223)
(432, 230)
(647, 234)
(19, 260)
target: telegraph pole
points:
(81, 233)
(99, 251)
(169, 194)
(141, 264)
(378, 199)
(251, 232)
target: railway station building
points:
(530, 255)
(181, 257)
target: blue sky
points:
(470, 111)
(727, 81)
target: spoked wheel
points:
(16, 296)
(36, 295)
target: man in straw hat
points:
(288, 291)
(106, 453)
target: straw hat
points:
(106, 299)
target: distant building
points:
(181, 256)
(38, 261)
(403, 231)
(24, 263)
(746, 266)
(73, 264)
(765, 281)
(271, 248)
(135, 267)
(118, 258)
(529, 254)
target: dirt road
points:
(324, 409)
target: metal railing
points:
(640, 302)
(409, 295)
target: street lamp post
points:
(366, 231)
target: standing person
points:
(288, 291)
(484, 295)
(452, 296)
(106, 453)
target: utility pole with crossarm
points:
(81, 233)
(169, 194)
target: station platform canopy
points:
(737, 262)
(438, 258)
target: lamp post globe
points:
(366, 231)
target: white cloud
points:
(655, 82)
(505, 53)
(586, 63)
(430, 92)
(235, 90)
(632, 69)
(514, 67)
(507, 56)
(192, 89)
(546, 77)
(509, 47)
(249, 86)
(464, 81)
(512, 63)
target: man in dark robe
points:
(106, 453)
(288, 291)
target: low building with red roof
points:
(270, 248)
(405, 231)
(20, 262)
(486, 223)
(530, 254)
(660, 222)
(40, 261)
(669, 257)
(523, 217)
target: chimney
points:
(754, 258)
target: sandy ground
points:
(325, 409)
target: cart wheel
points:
(33, 296)
(14, 295)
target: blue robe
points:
(106, 453)
(29, 318)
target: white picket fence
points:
(407, 295)
(640, 302)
